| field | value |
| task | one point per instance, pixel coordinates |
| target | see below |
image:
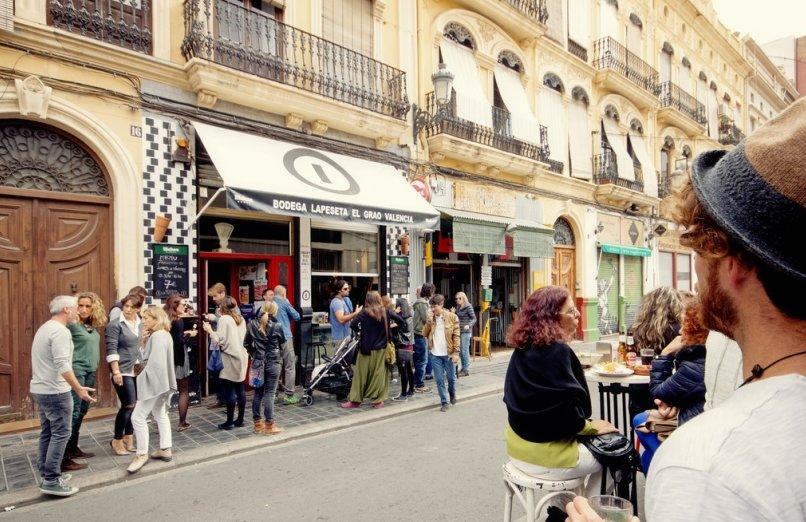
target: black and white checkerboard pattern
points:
(168, 189)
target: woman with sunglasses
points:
(176, 307)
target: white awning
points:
(524, 124)
(650, 180)
(618, 142)
(278, 177)
(554, 116)
(580, 141)
(471, 102)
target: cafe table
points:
(612, 391)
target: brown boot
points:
(128, 440)
(259, 426)
(118, 446)
(71, 465)
(270, 428)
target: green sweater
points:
(554, 454)
(86, 343)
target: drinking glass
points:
(612, 509)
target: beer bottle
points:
(632, 351)
(621, 354)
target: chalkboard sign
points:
(170, 264)
(399, 274)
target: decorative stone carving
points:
(382, 142)
(459, 34)
(36, 157)
(487, 31)
(206, 99)
(686, 151)
(33, 96)
(511, 60)
(379, 9)
(293, 121)
(712, 86)
(686, 62)
(636, 126)
(702, 76)
(636, 21)
(668, 49)
(668, 143)
(611, 112)
(726, 97)
(554, 82)
(437, 157)
(579, 94)
(319, 127)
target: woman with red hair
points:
(548, 403)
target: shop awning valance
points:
(625, 250)
(278, 177)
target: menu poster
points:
(259, 289)
(170, 265)
(399, 274)
(244, 293)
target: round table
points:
(610, 390)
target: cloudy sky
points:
(764, 20)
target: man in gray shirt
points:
(51, 380)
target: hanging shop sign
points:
(625, 250)
(170, 265)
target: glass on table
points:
(611, 508)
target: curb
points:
(32, 495)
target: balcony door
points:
(251, 39)
(665, 67)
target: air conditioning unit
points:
(7, 15)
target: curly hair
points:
(693, 331)
(659, 308)
(97, 318)
(708, 240)
(539, 321)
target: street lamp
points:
(443, 86)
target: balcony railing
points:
(664, 186)
(609, 54)
(535, 9)
(605, 170)
(498, 136)
(673, 96)
(125, 23)
(250, 41)
(729, 133)
(577, 50)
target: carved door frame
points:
(41, 165)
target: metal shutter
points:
(607, 285)
(478, 238)
(633, 288)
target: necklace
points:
(758, 371)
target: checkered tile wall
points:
(168, 189)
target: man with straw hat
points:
(745, 217)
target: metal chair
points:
(535, 494)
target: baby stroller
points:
(335, 375)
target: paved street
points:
(422, 466)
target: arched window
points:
(611, 112)
(636, 126)
(512, 61)
(554, 82)
(459, 34)
(563, 233)
(579, 94)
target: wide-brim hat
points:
(756, 192)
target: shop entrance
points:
(508, 294)
(451, 277)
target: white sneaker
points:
(162, 454)
(138, 462)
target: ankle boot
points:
(128, 440)
(271, 428)
(259, 426)
(118, 447)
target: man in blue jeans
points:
(421, 358)
(442, 331)
(52, 378)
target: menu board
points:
(170, 264)
(399, 274)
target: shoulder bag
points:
(615, 452)
(391, 356)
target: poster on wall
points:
(170, 264)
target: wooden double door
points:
(563, 270)
(50, 244)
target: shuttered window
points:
(633, 288)
(607, 282)
(348, 23)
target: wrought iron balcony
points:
(673, 96)
(605, 170)
(228, 34)
(729, 133)
(609, 54)
(664, 186)
(577, 50)
(498, 136)
(535, 9)
(125, 23)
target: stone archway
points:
(55, 238)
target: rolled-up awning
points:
(278, 177)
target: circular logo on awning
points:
(317, 170)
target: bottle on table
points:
(621, 350)
(632, 351)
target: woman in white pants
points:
(155, 385)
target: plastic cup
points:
(611, 509)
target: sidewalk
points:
(204, 441)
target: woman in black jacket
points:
(404, 349)
(263, 341)
(546, 394)
(176, 308)
(371, 375)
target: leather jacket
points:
(262, 345)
